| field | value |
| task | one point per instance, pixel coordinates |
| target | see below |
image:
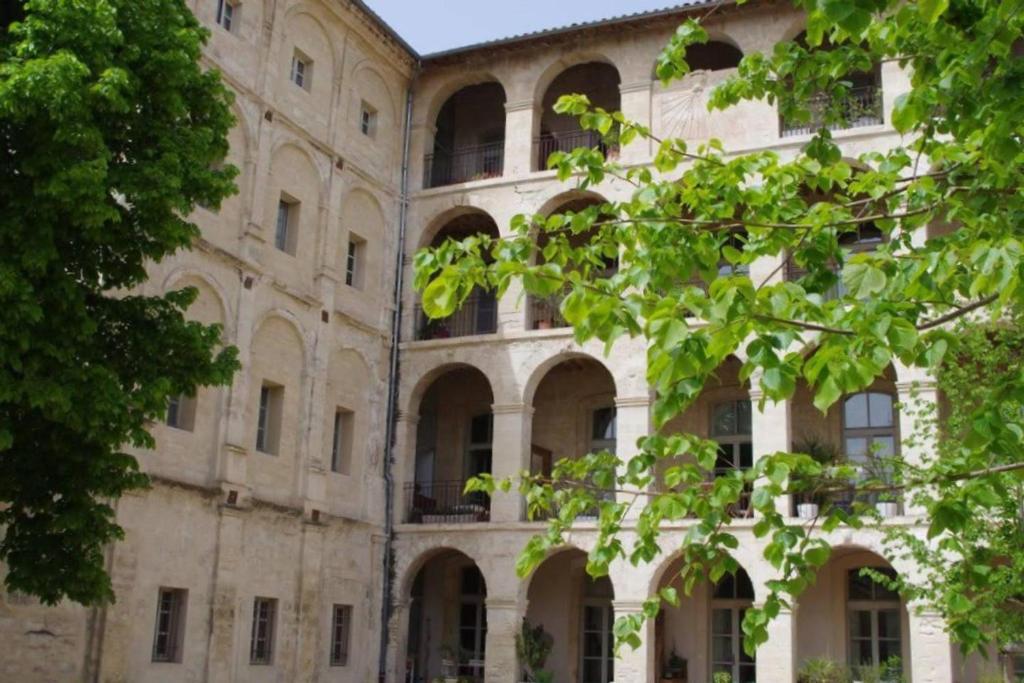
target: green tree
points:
(699, 209)
(111, 134)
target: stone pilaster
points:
(636, 107)
(770, 432)
(931, 657)
(776, 659)
(520, 120)
(503, 620)
(635, 664)
(404, 467)
(221, 655)
(917, 441)
(510, 456)
(632, 422)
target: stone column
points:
(503, 619)
(776, 659)
(510, 454)
(520, 120)
(221, 654)
(632, 422)
(404, 467)
(917, 440)
(770, 432)
(398, 632)
(636, 107)
(931, 657)
(635, 666)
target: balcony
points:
(545, 313)
(449, 167)
(477, 315)
(549, 143)
(862, 107)
(444, 502)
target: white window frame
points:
(607, 656)
(355, 259)
(342, 441)
(473, 667)
(286, 224)
(181, 413)
(341, 634)
(169, 630)
(874, 606)
(368, 119)
(269, 418)
(736, 606)
(264, 626)
(227, 14)
(301, 73)
(735, 440)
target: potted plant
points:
(675, 668)
(825, 454)
(721, 677)
(449, 663)
(533, 645)
(822, 670)
(879, 470)
(435, 329)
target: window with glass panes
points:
(472, 623)
(733, 595)
(602, 430)
(478, 453)
(284, 230)
(597, 652)
(341, 628)
(730, 428)
(261, 644)
(341, 442)
(168, 633)
(302, 70)
(226, 13)
(874, 616)
(869, 429)
(268, 418)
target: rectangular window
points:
(368, 120)
(170, 624)
(341, 442)
(181, 412)
(873, 617)
(354, 258)
(268, 420)
(285, 232)
(226, 12)
(341, 627)
(302, 70)
(261, 645)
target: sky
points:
(435, 25)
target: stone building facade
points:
(259, 553)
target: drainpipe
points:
(393, 375)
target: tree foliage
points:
(700, 217)
(111, 134)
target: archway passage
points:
(574, 414)
(453, 443)
(561, 132)
(848, 617)
(478, 314)
(469, 138)
(576, 610)
(703, 635)
(447, 621)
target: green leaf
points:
(931, 10)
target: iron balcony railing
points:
(549, 143)
(448, 167)
(444, 502)
(844, 499)
(863, 107)
(477, 315)
(545, 313)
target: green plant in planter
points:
(822, 670)
(890, 671)
(533, 645)
(722, 677)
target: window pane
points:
(860, 653)
(883, 446)
(858, 587)
(889, 624)
(743, 417)
(721, 649)
(880, 410)
(604, 424)
(592, 618)
(857, 449)
(480, 430)
(726, 587)
(592, 671)
(746, 455)
(887, 649)
(723, 422)
(855, 411)
(721, 621)
(592, 645)
(744, 588)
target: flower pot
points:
(807, 510)
(887, 508)
(543, 324)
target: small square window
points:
(341, 628)
(302, 70)
(341, 441)
(168, 635)
(354, 258)
(261, 643)
(268, 421)
(181, 412)
(286, 229)
(227, 14)
(368, 120)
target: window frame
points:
(181, 413)
(227, 14)
(605, 633)
(355, 259)
(169, 626)
(368, 119)
(870, 433)
(342, 441)
(269, 417)
(286, 224)
(737, 603)
(262, 634)
(341, 634)
(738, 438)
(874, 605)
(478, 602)
(301, 72)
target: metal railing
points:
(545, 313)
(843, 499)
(549, 143)
(477, 315)
(862, 107)
(586, 515)
(444, 502)
(444, 167)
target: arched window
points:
(472, 623)
(733, 596)
(869, 426)
(598, 651)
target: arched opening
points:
(577, 611)
(860, 429)
(722, 413)
(861, 107)
(469, 137)
(851, 620)
(453, 444)
(478, 314)
(545, 312)
(447, 620)
(562, 133)
(703, 635)
(714, 55)
(574, 414)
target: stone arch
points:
(537, 374)
(348, 414)
(717, 54)
(424, 556)
(546, 76)
(304, 20)
(435, 225)
(189, 277)
(419, 386)
(364, 224)
(371, 87)
(571, 200)
(449, 87)
(288, 320)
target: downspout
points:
(393, 377)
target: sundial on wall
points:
(684, 108)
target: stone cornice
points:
(632, 401)
(511, 408)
